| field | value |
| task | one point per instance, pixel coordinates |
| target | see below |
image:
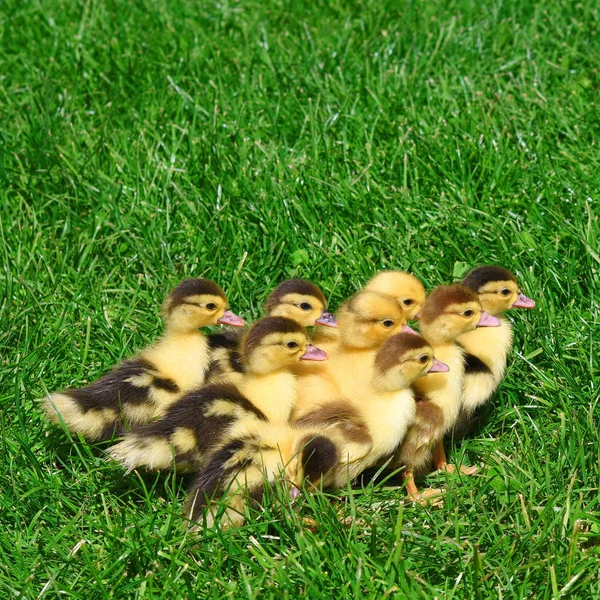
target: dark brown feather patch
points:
(398, 345)
(319, 456)
(264, 327)
(442, 297)
(192, 287)
(474, 365)
(339, 414)
(481, 276)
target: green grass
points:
(144, 141)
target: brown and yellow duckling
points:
(327, 447)
(145, 386)
(448, 312)
(486, 349)
(197, 424)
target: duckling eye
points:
(305, 306)
(423, 359)
(408, 302)
(211, 306)
(505, 292)
(388, 323)
(468, 313)
(292, 345)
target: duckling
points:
(366, 321)
(486, 349)
(448, 312)
(196, 424)
(406, 288)
(383, 413)
(145, 386)
(295, 299)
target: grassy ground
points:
(147, 140)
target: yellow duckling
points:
(404, 287)
(486, 349)
(448, 312)
(145, 386)
(301, 301)
(366, 321)
(198, 423)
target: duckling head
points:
(402, 359)
(450, 311)
(406, 288)
(368, 319)
(497, 289)
(197, 303)
(301, 301)
(275, 343)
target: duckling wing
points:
(225, 362)
(192, 428)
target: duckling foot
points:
(429, 497)
(464, 469)
(310, 524)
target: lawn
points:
(144, 141)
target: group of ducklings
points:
(240, 408)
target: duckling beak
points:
(407, 329)
(438, 367)
(314, 353)
(326, 319)
(229, 318)
(294, 493)
(487, 320)
(523, 302)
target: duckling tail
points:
(93, 423)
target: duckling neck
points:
(274, 393)
(435, 335)
(382, 386)
(182, 330)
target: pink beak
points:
(407, 329)
(523, 302)
(314, 353)
(294, 493)
(229, 318)
(438, 367)
(326, 319)
(487, 320)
